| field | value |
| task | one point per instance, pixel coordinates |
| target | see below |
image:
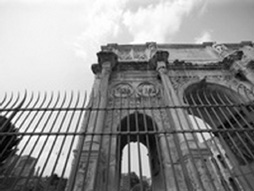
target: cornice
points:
(145, 57)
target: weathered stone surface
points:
(131, 78)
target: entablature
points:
(238, 58)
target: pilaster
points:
(88, 158)
(179, 116)
(159, 62)
(190, 158)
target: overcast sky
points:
(50, 44)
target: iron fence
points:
(206, 143)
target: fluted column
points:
(179, 117)
(107, 60)
(160, 59)
(86, 158)
(188, 157)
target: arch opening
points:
(138, 150)
(199, 124)
(134, 151)
(132, 170)
(224, 112)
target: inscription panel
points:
(144, 89)
(147, 89)
(122, 90)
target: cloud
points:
(229, 1)
(156, 22)
(42, 1)
(101, 25)
(205, 37)
(143, 21)
(41, 37)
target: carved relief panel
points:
(139, 95)
(134, 89)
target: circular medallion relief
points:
(122, 90)
(147, 89)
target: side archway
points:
(230, 117)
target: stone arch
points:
(155, 115)
(137, 122)
(224, 109)
(138, 127)
(210, 94)
(218, 80)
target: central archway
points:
(139, 128)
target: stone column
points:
(113, 173)
(189, 160)
(178, 115)
(107, 61)
(86, 170)
(161, 58)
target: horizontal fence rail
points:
(54, 142)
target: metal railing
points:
(211, 148)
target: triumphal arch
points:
(190, 105)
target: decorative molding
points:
(129, 53)
(142, 89)
(122, 90)
(147, 89)
(221, 49)
(179, 81)
(106, 59)
(244, 90)
(96, 68)
(130, 66)
(133, 54)
(107, 56)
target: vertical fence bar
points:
(80, 146)
(111, 130)
(118, 148)
(162, 134)
(37, 140)
(137, 131)
(88, 158)
(147, 135)
(227, 133)
(240, 126)
(211, 122)
(14, 162)
(193, 103)
(30, 137)
(73, 138)
(135, 124)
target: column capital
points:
(105, 57)
(161, 56)
(159, 60)
(106, 60)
